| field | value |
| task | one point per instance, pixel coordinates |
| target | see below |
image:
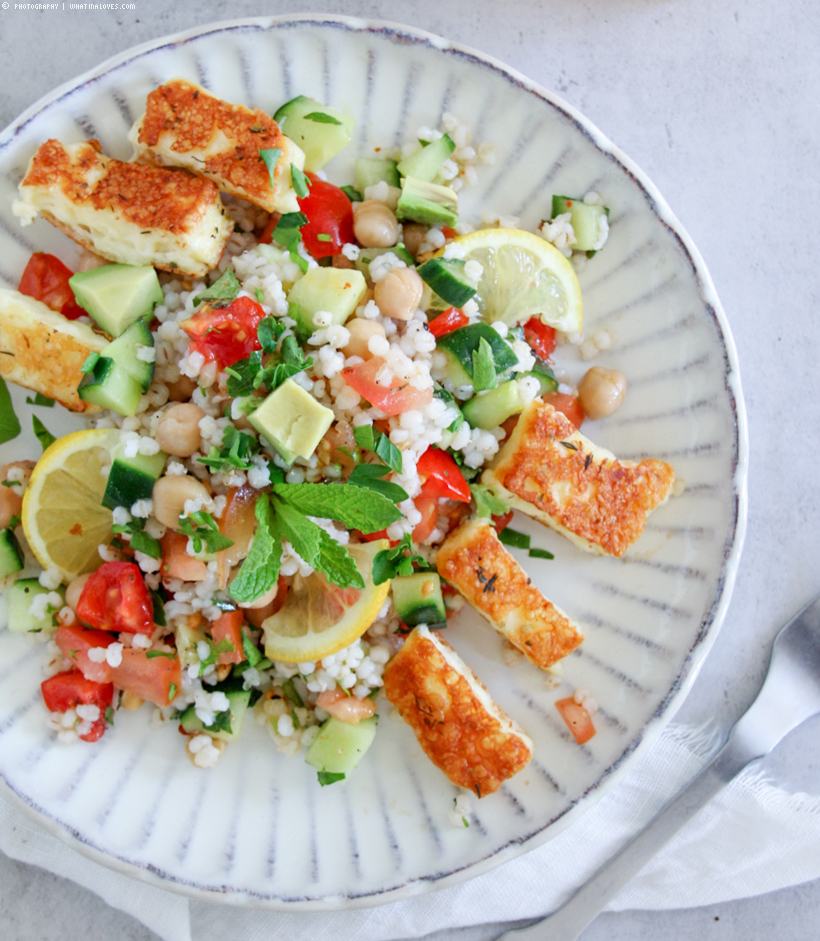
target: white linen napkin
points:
(752, 838)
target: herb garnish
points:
(369, 476)
(43, 435)
(287, 234)
(222, 292)
(40, 399)
(321, 117)
(484, 372)
(511, 537)
(372, 440)
(352, 194)
(400, 559)
(329, 777)
(301, 184)
(203, 531)
(541, 554)
(140, 540)
(236, 451)
(270, 157)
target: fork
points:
(790, 694)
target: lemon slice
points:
(63, 516)
(524, 276)
(319, 618)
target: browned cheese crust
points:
(473, 747)
(185, 119)
(549, 465)
(474, 560)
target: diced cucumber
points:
(424, 164)
(587, 220)
(447, 279)
(110, 385)
(462, 343)
(19, 597)
(320, 131)
(372, 170)
(453, 372)
(117, 295)
(132, 479)
(545, 376)
(336, 291)
(417, 599)
(11, 555)
(124, 351)
(225, 727)
(339, 746)
(292, 420)
(366, 255)
(427, 203)
(489, 409)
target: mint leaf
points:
(242, 375)
(337, 563)
(389, 453)
(365, 437)
(350, 505)
(329, 777)
(44, 436)
(369, 476)
(317, 548)
(268, 331)
(397, 560)
(270, 158)
(352, 194)
(486, 502)
(484, 374)
(301, 184)
(260, 570)
(40, 399)
(321, 117)
(9, 424)
(224, 290)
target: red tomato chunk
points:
(568, 405)
(151, 675)
(393, 399)
(428, 507)
(115, 598)
(229, 627)
(75, 642)
(441, 476)
(540, 337)
(450, 320)
(224, 335)
(46, 279)
(577, 719)
(71, 689)
(330, 215)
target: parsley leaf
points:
(44, 436)
(242, 375)
(260, 570)
(352, 194)
(270, 157)
(541, 554)
(291, 361)
(486, 502)
(268, 331)
(224, 646)
(259, 294)
(397, 560)
(159, 608)
(40, 399)
(287, 234)
(224, 291)
(9, 424)
(317, 548)
(329, 777)
(204, 533)
(301, 184)
(369, 476)
(484, 374)
(321, 117)
(355, 508)
(236, 451)
(142, 542)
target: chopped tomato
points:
(428, 507)
(151, 675)
(393, 399)
(224, 335)
(441, 477)
(503, 521)
(176, 563)
(115, 598)
(448, 232)
(266, 236)
(540, 337)
(577, 719)
(229, 627)
(75, 642)
(329, 213)
(46, 279)
(568, 405)
(71, 689)
(450, 320)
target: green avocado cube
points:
(117, 295)
(292, 420)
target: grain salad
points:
(311, 411)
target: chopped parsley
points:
(43, 435)
(511, 537)
(322, 117)
(237, 450)
(204, 533)
(221, 293)
(270, 158)
(301, 184)
(40, 399)
(9, 423)
(329, 777)
(400, 559)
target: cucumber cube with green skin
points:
(110, 385)
(19, 597)
(446, 278)
(239, 701)
(373, 170)
(116, 296)
(292, 421)
(339, 746)
(425, 164)
(462, 343)
(320, 131)
(336, 291)
(132, 479)
(452, 372)
(427, 203)
(418, 600)
(586, 220)
(490, 409)
(11, 555)
(125, 351)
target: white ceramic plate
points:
(257, 829)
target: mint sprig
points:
(366, 512)
(236, 451)
(314, 545)
(369, 476)
(260, 570)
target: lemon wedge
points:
(63, 516)
(319, 618)
(524, 276)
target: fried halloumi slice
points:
(462, 731)
(550, 471)
(126, 212)
(43, 351)
(474, 560)
(184, 126)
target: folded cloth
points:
(752, 838)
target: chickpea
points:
(75, 589)
(375, 224)
(181, 390)
(361, 331)
(601, 392)
(178, 430)
(398, 294)
(170, 494)
(413, 235)
(130, 701)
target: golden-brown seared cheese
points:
(551, 472)
(43, 351)
(477, 564)
(463, 732)
(126, 212)
(184, 126)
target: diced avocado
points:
(489, 409)
(117, 295)
(336, 291)
(366, 255)
(447, 279)
(11, 555)
(227, 725)
(292, 420)
(320, 131)
(462, 343)
(339, 746)
(125, 351)
(425, 164)
(132, 479)
(110, 385)
(427, 203)
(417, 599)
(373, 170)
(589, 221)
(19, 597)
